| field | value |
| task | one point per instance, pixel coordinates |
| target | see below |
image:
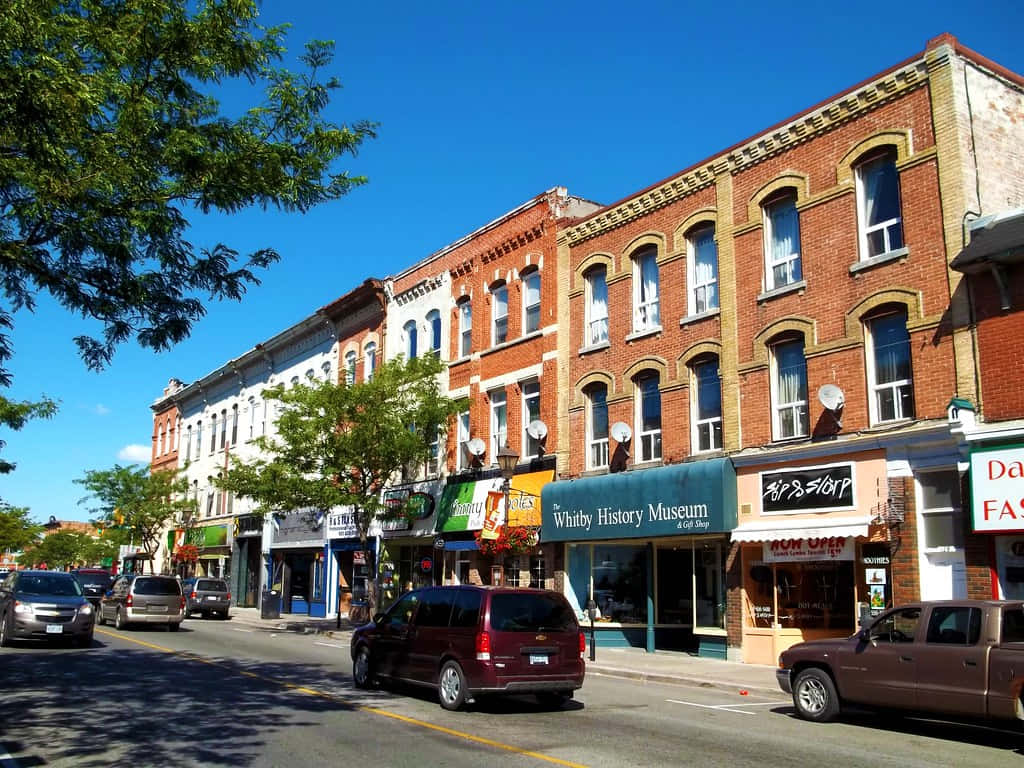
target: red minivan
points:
(468, 641)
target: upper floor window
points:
(160, 440)
(702, 255)
(531, 412)
(234, 424)
(789, 389)
(188, 442)
(350, 367)
(465, 329)
(889, 371)
(597, 306)
(199, 437)
(252, 417)
(213, 433)
(434, 461)
(223, 428)
(781, 242)
(878, 203)
(707, 406)
(294, 381)
(434, 324)
(499, 325)
(941, 511)
(597, 426)
(326, 368)
(499, 422)
(531, 302)
(462, 461)
(648, 416)
(410, 339)
(369, 360)
(646, 313)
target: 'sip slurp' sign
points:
(802, 550)
(997, 489)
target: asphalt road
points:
(223, 693)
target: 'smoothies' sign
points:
(997, 489)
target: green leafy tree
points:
(339, 445)
(96, 550)
(112, 136)
(17, 531)
(137, 501)
(58, 551)
(14, 415)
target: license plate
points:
(538, 659)
(54, 629)
(212, 598)
(158, 609)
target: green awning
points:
(691, 498)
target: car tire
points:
(119, 622)
(815, 696)
(5, 632)
(554, 699)
(451, 686)
(100, 619)
(362, 669)
(174, 627)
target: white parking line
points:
(330, 645)
(729, 707)
(236, 629)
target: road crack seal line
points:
(349, 703)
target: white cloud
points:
(100, 409)
(137, 453)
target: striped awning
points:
(780, 530)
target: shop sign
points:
(426, 565)
(298, 525)
(359, 557)
(692, 498)
(997, 489)
(418, 505)
(808, 489)
(463, 506)
(827, 548)
(248, 525)
(341, 524)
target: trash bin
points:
(270, 604)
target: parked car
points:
(95, 583)
(469, 641)
(144, 599)
(207, 597)
(954, 658)
(44, 605)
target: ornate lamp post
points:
(507, 460)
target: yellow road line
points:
(361, 707)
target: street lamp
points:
(507, 460)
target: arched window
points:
(530, 412)
(702, 261)
(188, 442)
(531, 302)
(326, 368)
(199, 437)
(597, 426)
(879, 216)
(499, 422)
(781, 241)
(706, 403)
(596, 311)
(213, 433)
(234, 424)
(646, 308)
(465, 329)
(252, 417)
(499, 314)
(648, 416)
(410, 339)
(789, 388)
(369, 360)
(350, 367)
(434, 324)
(890, 374)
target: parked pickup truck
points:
(953, 658)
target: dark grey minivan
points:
(467, 641)
(138, 598)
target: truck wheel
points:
(814, 695)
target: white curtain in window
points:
(649, 286)
(706, 265)
(792, 373)
(785, 231)
(533, 290)
(598, 307)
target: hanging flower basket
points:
(187, 553)
(512, 540)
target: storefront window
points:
(675, 585)
(810, 595)
(620, 582)
(690, 587)
(709, 588)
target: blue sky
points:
(481, 106)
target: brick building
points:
(166, 429)
(784, 310)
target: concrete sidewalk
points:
(634, 663)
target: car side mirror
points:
(378, 618)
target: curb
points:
(670, 679)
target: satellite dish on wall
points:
(621, 432)
(537, 429)
(476, 447)
(831, 396)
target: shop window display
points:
(811, 595)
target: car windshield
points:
(211, 585)
(524, 612)
(154, 586)
(51, 584)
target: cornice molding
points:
(804, 128)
